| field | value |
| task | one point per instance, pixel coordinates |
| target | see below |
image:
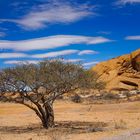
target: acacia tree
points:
(38, 86)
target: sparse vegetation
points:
(76, 98)
(38, 86)
(57, 135)
(94, 123)
(110, 96)
(121, 124)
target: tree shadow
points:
(62, 126)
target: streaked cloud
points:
(51, 42)
(55, 54)
(124, 2)
(46, 55)
(73, 60)
(21, 62)
(18, 62)
(104, 32)
(87, 52)
(12, 55)
(53, 12)
(90, 63)
(2, 34)
(137, 37)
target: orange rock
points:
(122, 72)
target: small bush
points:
(76, 99)
(56, 135)
(120, 125)
(110, 96)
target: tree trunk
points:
(48, 118)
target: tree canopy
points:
(37, 86)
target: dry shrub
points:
(76, 98)
(121, 124)
(57, 135)
(110, 96)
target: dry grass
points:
(74, 121)
(57, 136)
(121, 124)
(65, 127)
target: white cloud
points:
(90, 63)
(46, 55)
(137, 37)
(73, 60)
(87, 52)
(36, 61)
(104, 32)
(21, 62)
(55, 54)
(2, 34)
(52, 13)
(12, 55)
(51, 42)
(124, 2)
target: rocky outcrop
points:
(122, 72)
(136, 62)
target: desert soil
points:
(74, 122)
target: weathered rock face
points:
(121, 73)
(136, 63)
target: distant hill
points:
(121, 73)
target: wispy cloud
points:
(51, 42)
(12, 55)
(46, 55)
(17, 62)
(53, 12)
(73, 60)
(124, 2)
(90, 63)
(137, 37)
(2, 34)
(104, 32)
(21, 62)
(55, 54)
(87, 52)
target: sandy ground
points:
(20, 123)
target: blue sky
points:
(89, 31)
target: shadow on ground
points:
(65, 127)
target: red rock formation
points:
(122, 72)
